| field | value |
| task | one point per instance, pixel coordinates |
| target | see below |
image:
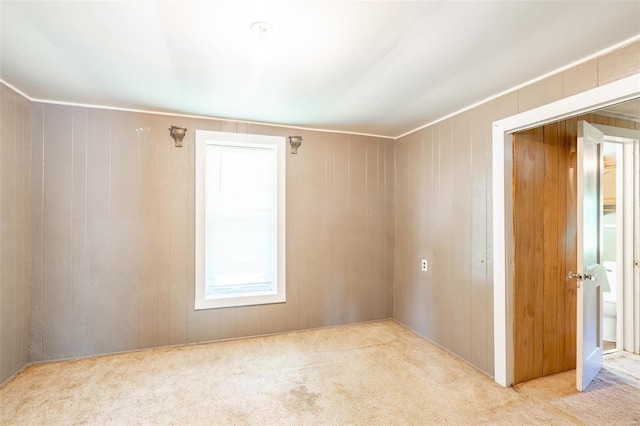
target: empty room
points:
(448, 228)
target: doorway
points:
(544, 194)
(619, 91)
(620, 189)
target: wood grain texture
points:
(544, 234)
(552, 274)
(527, 358)
(545, 246)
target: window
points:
(240, 219)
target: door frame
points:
(627, 330)
(502, 161)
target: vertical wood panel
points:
(340, 226)
(371, 225)
(228, 323)
(550, 271)
(333, 288)
(8, 237)
(179, 250)
(410, 262)
(98, 237)
(318, 249)
(461, 226)
(562, 223)
(124, 230)
(401, 309)
(193, 318)
(435, 267)
(491, 110)
(272, 318)
(149, 241)
(57, 215)
(241, 321)
(25, 194)
(20, 233)
(15, 231)
(380, 209)
(302, 201)
(479, 217)
(356, 208)
(37, 191)
(253, 320)
(390, 214)
(426, 249)
(294, 190)
(159, 133)
(209, 325)
(443, 260)
(538, 255)
(78, 232)
(526, 274)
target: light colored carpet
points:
(374, 373)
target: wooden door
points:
(544, 209)
(544, 197)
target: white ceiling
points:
(384, 67)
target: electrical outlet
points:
(424, 265)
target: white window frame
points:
(204, 137)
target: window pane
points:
(240, 220)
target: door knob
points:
(575, 275)
(578, 276)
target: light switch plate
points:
(424, 265)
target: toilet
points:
(609, 299)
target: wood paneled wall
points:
(112, 228)
(545, 220)
(113, 234)
(442, 215)
(15, 233)
(443, 211)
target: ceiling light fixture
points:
(262, 30)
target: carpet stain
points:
(305, 398)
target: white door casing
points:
(590, 274)
(600, 97)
